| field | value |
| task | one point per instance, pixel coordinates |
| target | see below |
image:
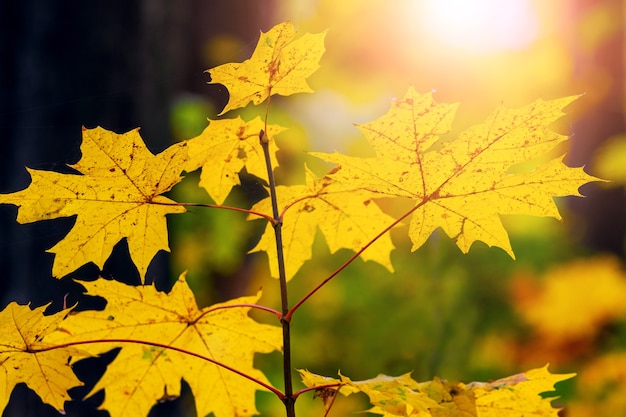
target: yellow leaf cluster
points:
(462, 186)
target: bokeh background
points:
(481, 316)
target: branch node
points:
(263, 137)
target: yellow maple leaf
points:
(46, 372)
(400, 396)
(224, 148)
(390, 395)
(278, 65)
(514, 396)
(464, 185)
(117, 196)
(518, 395)
(142, 374)
(346, 222)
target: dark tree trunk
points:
(601, 218)
(115, 64)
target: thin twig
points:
(217, 206)
(350, 260)
(323, 391)
(278, 393)
(308, 389)
(243, 305)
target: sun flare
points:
(479, 26)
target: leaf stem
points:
(278, 393)
(335, 391)
(307, 389)
(244, 305)
(217, 206)
(350, 260)
(288, 399)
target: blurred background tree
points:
(140, 63)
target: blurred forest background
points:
(124, 64)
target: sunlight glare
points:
(479, 26)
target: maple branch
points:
(288, 399)
(267, 111)
(352, 258)
(278, 393)
(277, 223)
(294, 202)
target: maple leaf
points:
(142, 374)
(117, 196)
(464, 185)
(392, 396)
(278, 65)
(46, 372)
(224, 148)
(518, 395)
(346, 223)
(514, 396)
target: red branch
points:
(278, 393)
(350, 260)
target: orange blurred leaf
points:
(575, 300)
